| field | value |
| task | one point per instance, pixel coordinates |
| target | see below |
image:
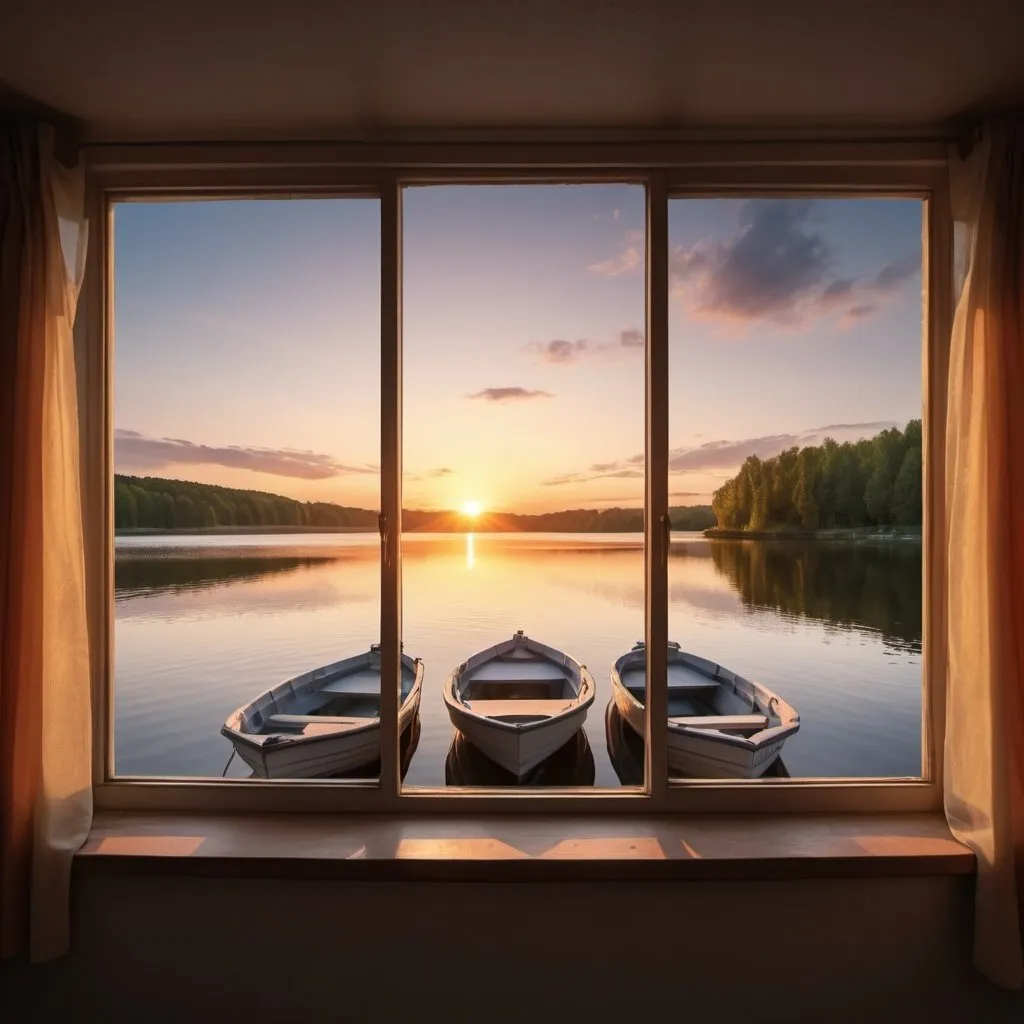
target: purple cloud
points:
(563, 352)
(135, 451)
(777, 267)
(724, 455)
(509, 394)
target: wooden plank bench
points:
(502, 708)
(518, 671)
(300, 721)
(723, 723)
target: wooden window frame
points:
(667, 170)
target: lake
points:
(204, 623)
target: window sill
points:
(524, 847)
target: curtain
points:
(984, 759)
(45, 705)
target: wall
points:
(153, 949)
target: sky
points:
(247, 349)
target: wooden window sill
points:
(524, 847)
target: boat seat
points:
(363, 683)
(519, 671)
(338, 690)
(299, 721)
(724, 723)
(540, 708)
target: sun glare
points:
(472, 509)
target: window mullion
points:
(656, 521)
(390, 482)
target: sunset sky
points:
(247, 340)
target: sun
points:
(471, 509)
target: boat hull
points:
(707, 753)
(519, 702)
(285, 733)
(518, 751)
(310, 758)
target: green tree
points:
(878, 494)
(906, 491)
(184, 512)
(803, 493)
(126, 512)
(166, 511)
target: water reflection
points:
(626, 750)
(876, 586)
(571, 765)
(138, 576)
(203, 627)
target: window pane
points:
(795, 419)
(246, 414)
(523, 441)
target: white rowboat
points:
(720, 725)
(519, 701)
(322, 722)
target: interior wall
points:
(154, 949)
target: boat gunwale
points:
(262, 741)
(789, 724)
(581, 703)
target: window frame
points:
(667, 170)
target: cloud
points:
(442, 471)
(729, 455)
(623, 473)
(626, 262)
(510, 394)
(724, 455)
(563, 352)
(777, 267)
(629, 261)
(559, 350)
(893, 274)
(775, 264)
(133, 450)
(859, 312)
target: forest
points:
(874, 482)
(155, 503)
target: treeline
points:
(874, 482)
(154, 503)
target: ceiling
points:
(220, 69)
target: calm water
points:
(205, 623)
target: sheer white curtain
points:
(984, 784)
(45, 704)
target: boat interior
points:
(517, 687)
(350, 697)
(697, 699)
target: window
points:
(795, 414)
(246, 451)
(499, 392)
(523, 371)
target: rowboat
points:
(571, 765)
(323, 722)
(720, 725)
(519, 701)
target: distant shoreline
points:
(909, 533)
(229, 531)
(855, 533)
